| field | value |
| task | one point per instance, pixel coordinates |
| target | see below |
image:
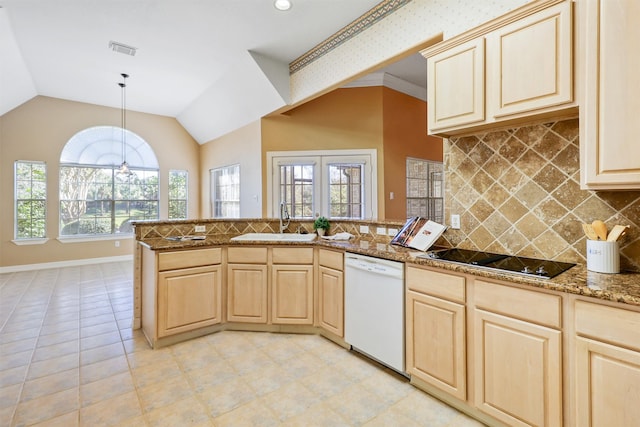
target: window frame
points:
(434, 189)
(321, 160)
(213, 187)
(170, 198)
(16, 200)
(103, 147)
(112, 201)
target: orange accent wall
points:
(376, 117)
(341, 119)
(404, 135)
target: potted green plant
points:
(321, 225)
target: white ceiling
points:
(197, 60)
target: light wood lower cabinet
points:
(331, 300)
(607, 374)
(247, 293)
(189, 299)
(331, 291)
(247, 285)
(181, 291)
(435, 329)
(517, 355)
(292, 294)
(292, 286)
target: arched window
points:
(95, 197)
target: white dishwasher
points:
(374, 308)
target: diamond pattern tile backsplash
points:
(518, 191)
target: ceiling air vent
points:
(122, 48)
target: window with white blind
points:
(425, 189)
(30, 200)
(339, 184)
(178, 192)
(225, 192)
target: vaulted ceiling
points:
(193, 56)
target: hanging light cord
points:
(123, 85)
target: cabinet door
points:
(331, 300)
(607, 384)
(292, 294)
(455, 86)
(609, 110)
(436, 342)
(530, 62)
(247, 293)
(517, 368)
(189, 299)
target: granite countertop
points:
(623, 287)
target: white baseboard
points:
(60, 264)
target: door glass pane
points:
(425, 189)
(296, 189)
(345, 190)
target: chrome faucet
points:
(284, 216)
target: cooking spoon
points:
(617, 232)
(600, 228)
(589, 231)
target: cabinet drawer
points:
(190, 258)
(610, 324)
(247, 255)
(292, 255)
(331, 259)
(530, 306)
(437, 284)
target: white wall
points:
(243, 147)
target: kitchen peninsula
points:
(493, 331)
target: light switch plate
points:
(455, 222)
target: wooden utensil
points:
(617, 232)
(600, 228)
(590, 232)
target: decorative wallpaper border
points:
(379, 12)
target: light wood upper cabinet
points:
(456, 86)
(607, 375)
(517, 357)
(435, 329)
(530, 62)
(610, 105)
(515, 69)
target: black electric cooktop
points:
(514, 264)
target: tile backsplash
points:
(518, 191)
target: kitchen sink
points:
(275, 237)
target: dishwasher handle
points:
(374, 267)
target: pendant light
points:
(124, 167)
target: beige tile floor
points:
(68, 357)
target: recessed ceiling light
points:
(282, 4)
